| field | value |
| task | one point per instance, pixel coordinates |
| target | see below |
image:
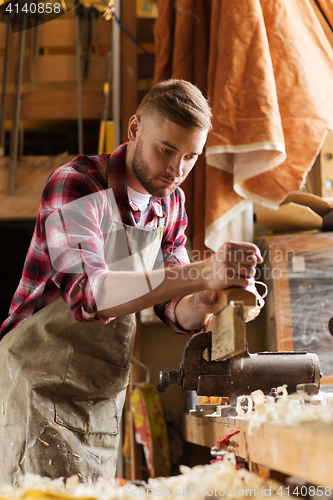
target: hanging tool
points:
(21, 127)
(4, 88)
(37, 42)
(14, 138)
(86, 39)
(34, 35)
(79, 78)
(94, 17)
(90, 40)
(107, 90)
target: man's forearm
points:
(174, 282)
(127, 292)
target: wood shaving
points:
(221, 479)
(44, 442)
(293, 409)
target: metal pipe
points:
(4, 89)
(107, 90)
(17, 110)
(79, 80)
(116, 94)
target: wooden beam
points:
(204, 431)
(33, 172)
(59, 106)
(303, 451)
(61, 33)
(61, 68)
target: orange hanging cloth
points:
(150, 429)
(269, 76)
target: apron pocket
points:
(91, 396)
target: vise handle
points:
(168, 377)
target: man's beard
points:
(141, 170)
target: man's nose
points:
(176, 167)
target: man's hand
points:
(194, 311)
(232, 265)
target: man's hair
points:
(180, 102)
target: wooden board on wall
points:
(59, 105)
(32, 174)
(50, 90)
(62, 67)
(61, 33)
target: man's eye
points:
(166, 151)
(190, 157)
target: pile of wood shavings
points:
(287, 409)
(221, 479)
(217, 480)
(33, 486)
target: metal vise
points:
(240, 374)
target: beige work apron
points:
(63, 382)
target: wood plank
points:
(300, 243)
(62, 67)
(303, 451)
(326, 380)
(62, 105)
(58, 68)
(61, 33)
(204, 431)
(32, 174)
(224, 298)
(313, 179)
(316, 203)
(59, 106)
(326, 162)
(68, 86)
(58, 101)
(290, 217)
(228, 332)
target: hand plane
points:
(217, 362)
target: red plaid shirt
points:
(42, 281)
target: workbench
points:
(304, 451)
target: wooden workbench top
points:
(304, 451)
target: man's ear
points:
(133, 127)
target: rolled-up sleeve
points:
(75, 228)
